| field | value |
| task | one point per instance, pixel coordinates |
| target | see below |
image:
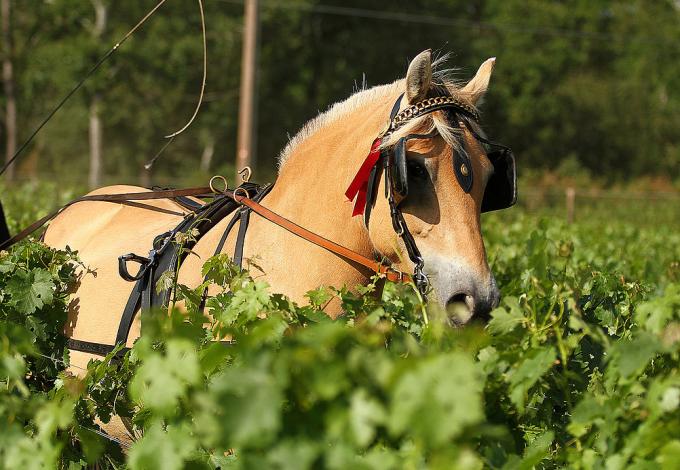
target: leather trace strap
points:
(344, 252)
(122, 197)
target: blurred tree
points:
(8, 85)
(596, 82)
(95, 173)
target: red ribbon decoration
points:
(359, 185)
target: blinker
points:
(463, 170)
(501, 189)
(400, 172)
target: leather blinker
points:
(462, 167)
(400, 172)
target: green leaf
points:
(31, 290)
(585, 414)
(669, 455)
(528, 372)
(294, 454)
(243, 405)
(365, 414)
(505, 319)
(162, 378)
(438, 399)
(158, 449)
(631, 357)
(536, 451)
(319, 297)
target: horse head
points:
(438, 175)
(428, 175)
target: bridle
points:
(391, 162)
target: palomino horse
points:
(441, 210)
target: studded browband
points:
(429, 105)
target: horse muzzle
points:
(465, 293)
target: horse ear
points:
(419, 76)
(476, 88)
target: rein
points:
(343, 252)
(339, 250)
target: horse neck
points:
(310, 189)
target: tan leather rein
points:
(343, 252)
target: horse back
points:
(101, 232)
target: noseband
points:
(392, 162)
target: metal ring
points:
(218, 178)
(245, 174)
(247, 196)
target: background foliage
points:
(591, 85)
(578, 367)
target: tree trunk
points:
(8, 82)
(207, 155)
(95, 174)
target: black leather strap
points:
(131, 308)
(395, 107)
(243, 225)
(123, 270)
(259, 195)
(4, 231)
(241, 236)
(94, 348)
(372, 190)
(164, 256)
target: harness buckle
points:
(144, 264)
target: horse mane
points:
(437, 120)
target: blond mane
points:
(424, 124)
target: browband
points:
(430, 105)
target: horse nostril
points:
(484, 308)
(460, 308)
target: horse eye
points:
(417, 170)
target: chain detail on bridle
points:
(429, 105)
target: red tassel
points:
(359, 185)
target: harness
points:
(166, 254)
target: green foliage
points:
(578, 367)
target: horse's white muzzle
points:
(466, 293)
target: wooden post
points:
(95, 173)
(571, 198)
(245, 147)
(8, 82)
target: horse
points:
(440, 210)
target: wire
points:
(148, 165)
(205, 73)
(80, 83)
(446, 21)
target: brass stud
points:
(464, 169)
